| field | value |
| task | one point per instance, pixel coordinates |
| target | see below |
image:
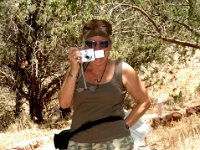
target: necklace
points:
(99, 80)
(92, 87)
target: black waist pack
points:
(61, 140)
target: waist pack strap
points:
(96, 122)
(61, 140)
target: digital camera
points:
(91, 54)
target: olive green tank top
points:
(90, 105)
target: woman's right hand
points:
(67, 90)
(75, 58)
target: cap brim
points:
(93, 33)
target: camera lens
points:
(88, 57)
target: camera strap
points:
(83, 75)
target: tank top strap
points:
(118, 72)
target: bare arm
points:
(136, 89)
(67, 90)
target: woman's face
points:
(99, 43)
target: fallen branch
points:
(176, 116)
(31, 144)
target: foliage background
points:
(35, 35)
(160, 39)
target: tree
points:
(31, 35)
(37, 33)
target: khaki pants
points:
(124, 143)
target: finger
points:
(71, 52)
(78, 58)
(75, 57)
(72, 49)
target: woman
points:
(108, 81)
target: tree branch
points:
(178, 42)
(145, 14)
(174, 41)
(10, 78)
(46, 89)
(188, 28)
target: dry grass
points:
(10, 139)
(24, 129)
(183, 135)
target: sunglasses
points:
(93, 44)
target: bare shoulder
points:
(128, 73)
(127, 69)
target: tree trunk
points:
(18, 105)
(35, 103)
(36, 109)
(19, 85)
